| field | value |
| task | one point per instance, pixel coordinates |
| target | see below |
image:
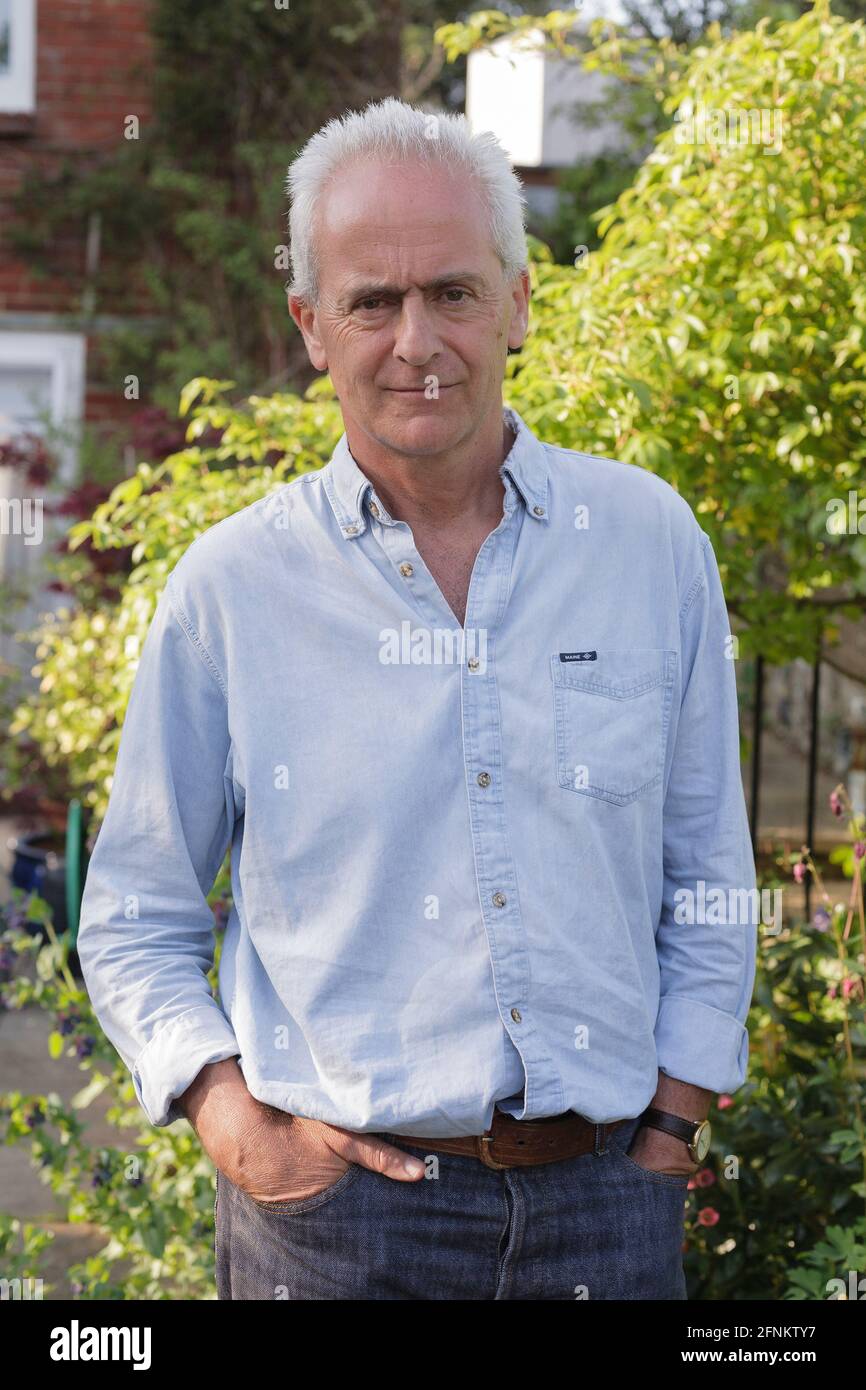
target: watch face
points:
(702, 1141)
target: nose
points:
(415, 340)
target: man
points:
(462, 706)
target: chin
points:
(427, 428)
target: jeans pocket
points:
(318, 1199)
(611, 720)
(680, 1180)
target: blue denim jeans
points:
(599, 1227)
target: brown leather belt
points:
(511, 1143)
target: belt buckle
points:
(482, 1145)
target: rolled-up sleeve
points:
(146, 932)
(707, 935)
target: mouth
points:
(420, 390)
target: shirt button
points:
(516, 1015)
(350, 530)
(483, 779)
(374, 509)
(499, 900)
(473, 663)
(406, 569)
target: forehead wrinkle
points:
(408, 223)
(385, 206)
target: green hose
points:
(74, 841)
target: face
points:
(414, 317)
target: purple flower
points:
(835, 803)
(859, 849)
(821, 919)
(101, 1174)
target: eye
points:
(370, 304)
(456, 290)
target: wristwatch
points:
(696, 1133)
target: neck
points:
(438, 490)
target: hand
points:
(277, 1157)
(287, 1158)
(661, 1152)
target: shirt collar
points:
(351, 493)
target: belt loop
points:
(600, 1136)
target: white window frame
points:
(64, 355)
(18, 85)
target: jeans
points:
(598, 1226)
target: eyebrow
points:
(380, 287)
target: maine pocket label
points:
(578, 656)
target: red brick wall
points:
(93, 67)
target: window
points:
(41, 384)
(17, 56)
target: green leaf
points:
(641, 390)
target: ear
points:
(520, 310)
(305, 318)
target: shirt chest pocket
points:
(611, 711)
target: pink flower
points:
(724, 1101)
(704, 1177)
(831, 992)
(708, 1216)
(835, 803)
(849, 985)
(799, 872)
(859, 849)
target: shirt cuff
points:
(174, 1057)
(701, 1045)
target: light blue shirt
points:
(468, 868)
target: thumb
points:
(372, 1152)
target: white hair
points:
(393, 130)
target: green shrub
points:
(151, 1195)
(785, 1200)
(721, 269)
